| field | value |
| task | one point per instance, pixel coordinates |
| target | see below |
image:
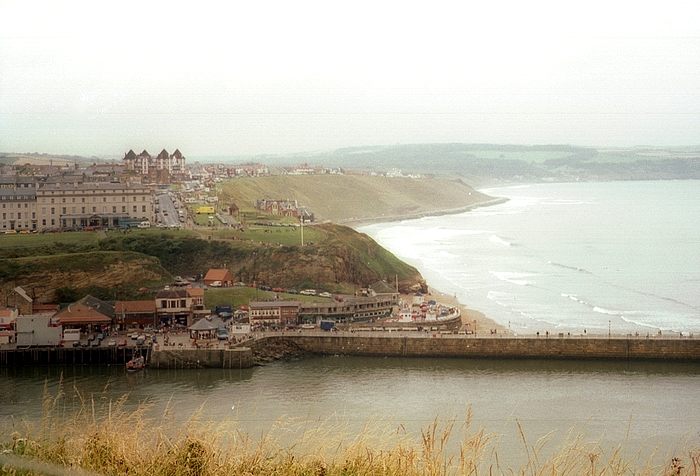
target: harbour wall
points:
(66, 356)
(236, 358)
(614, 348)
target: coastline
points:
(481, 322)
(355, 222)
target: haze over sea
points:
(567, 257)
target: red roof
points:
(196, 292)
(135, 307)
(216, 274)
(81, 314)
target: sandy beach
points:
(479, 321)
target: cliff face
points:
(112, 273)
(344, 261)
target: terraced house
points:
(26, 203)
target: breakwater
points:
(612, 348)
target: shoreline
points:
(482, 323)
(356, 222)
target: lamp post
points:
(609, 328)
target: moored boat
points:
(136, 364)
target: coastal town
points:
(219, 308)
(143, 192)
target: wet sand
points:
(478, 320)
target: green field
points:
(37, 240)
(281, 235)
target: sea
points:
(585, 258)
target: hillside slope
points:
(104, 273)
(348, 198)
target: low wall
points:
(504, 347)
(237, 358)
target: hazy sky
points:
(232, 78)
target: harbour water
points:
(647, 407)
(615, 256)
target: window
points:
(43, 222)
(52, 199)
(134, 208)
(114, 209)
(82, 199)
(64, 210)
(53, 222)
(104, 199)
(94, 209)
(143, 209)
(19, 215)
(82, 210)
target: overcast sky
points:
(276, 77)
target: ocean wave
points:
(513, 278)
(500, 241)
(566, 266)
(575, 298)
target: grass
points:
(348, 197)
(280, 235)
(37, 240)
(102, 437)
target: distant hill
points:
(352, 198)
(492, 163)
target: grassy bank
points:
(104, 438)
(342, 198)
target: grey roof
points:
(103, 307)
(17, 194)
(207, 324)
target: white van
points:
(144, 224)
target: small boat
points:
(136, 364)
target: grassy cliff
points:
(346, 198)
(118, 265)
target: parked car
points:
(308, 292)
(215, 284)
(222, 334)
(326, 294)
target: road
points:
(168, 214)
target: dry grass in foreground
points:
(127, 442)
